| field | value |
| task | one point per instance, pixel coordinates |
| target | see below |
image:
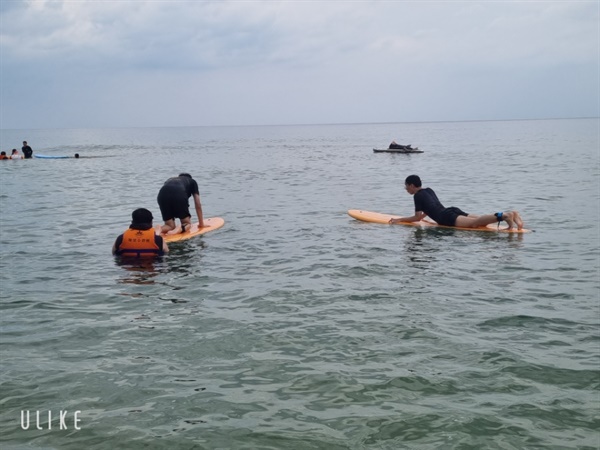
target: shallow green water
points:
(295, 326)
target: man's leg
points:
(186, 224)
(517, 219)
(168, 226)
(511, 218)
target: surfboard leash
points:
(499, 218)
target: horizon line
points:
(306, 124)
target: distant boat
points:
(398, 150)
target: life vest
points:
(139, 243)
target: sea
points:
(295, 326)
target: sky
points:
(99, 63)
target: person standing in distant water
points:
(173, 202)
(140, 239)
(27, 150)
(15, 154)
(427, 204)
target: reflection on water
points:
(182, 259)
(138, 270)
(184, 255)
(421, 248)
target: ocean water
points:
(295, 326)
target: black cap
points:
(141, 215)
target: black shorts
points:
(449, 215)
(173, 202)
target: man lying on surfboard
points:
(427, 204)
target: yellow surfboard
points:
(375, 217)
(210, 224)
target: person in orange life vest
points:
(3, 155)
(140, 239)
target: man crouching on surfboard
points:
(427, 204)
(173, 202)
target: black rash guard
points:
(173, 197)
(427, 202)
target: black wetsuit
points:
(173, 197)
(27, 151)
(395, 146)
(427, 202)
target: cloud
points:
(497, 34)
(186, 35)
(215, 34)
(292, 61)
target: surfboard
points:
(51, 156)
(404, 151)
(375, 217)
(210, 224)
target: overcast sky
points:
(80, 64)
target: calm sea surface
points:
(295, 326)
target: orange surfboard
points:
(375, 217)
(210, 224)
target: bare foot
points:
(164, 230)
(518, 220)
(508, 217)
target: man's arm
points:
(419, 215)
(117, 244)
(198, 207)
(160, 240)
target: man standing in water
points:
(427, 204)
(173, 202)
(27, 150)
